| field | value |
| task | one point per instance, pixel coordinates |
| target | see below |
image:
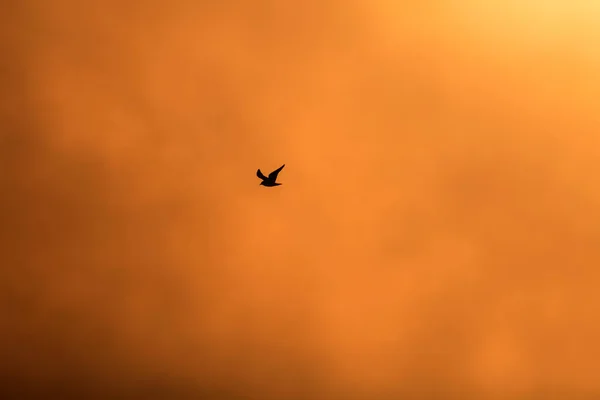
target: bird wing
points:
(273, 175)
(260, 175)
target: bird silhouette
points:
(270, 180)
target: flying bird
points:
(270, 180)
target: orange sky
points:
(436, 235)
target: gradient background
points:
(437, 235)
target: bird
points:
(270, 180)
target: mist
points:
(435, 237)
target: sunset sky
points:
(436, 236)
